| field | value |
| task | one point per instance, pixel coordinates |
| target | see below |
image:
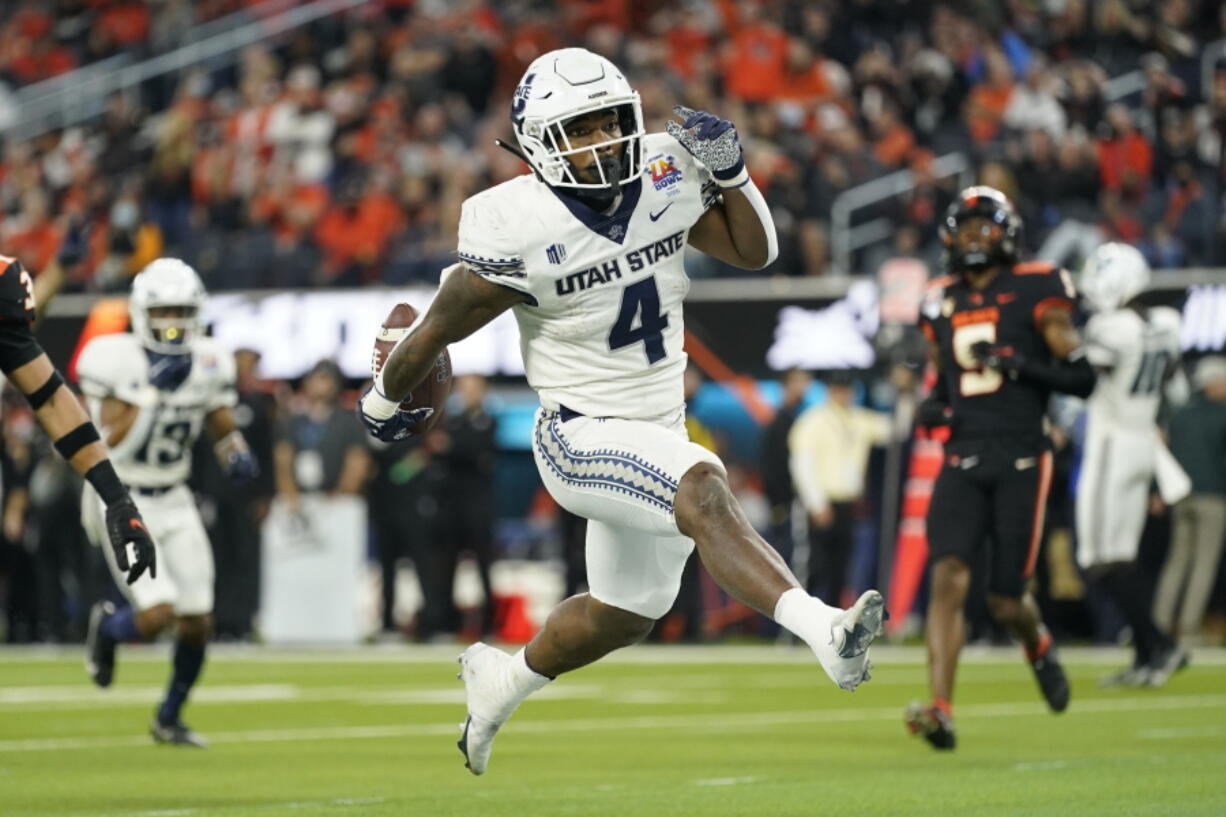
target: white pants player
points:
(622, 476)
(1113, 493)
(184, 555)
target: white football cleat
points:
(845, 656)
(493, 693)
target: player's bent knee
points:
(1005, 608)
(195, 630)
(703, 495)
(154, 620)
(615, 624)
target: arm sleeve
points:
(487, 247)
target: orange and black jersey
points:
(16, 292)
(1007, 311)
(17, 344)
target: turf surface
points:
(708, 731)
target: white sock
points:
(806, 616)
(526, 679)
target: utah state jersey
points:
(1008, 311)
(601, 327)
(16, 292)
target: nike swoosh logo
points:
(656, 216)
(1023, 463)
(545, 96)
(136, 523)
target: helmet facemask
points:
(552, 152)
(171, 329)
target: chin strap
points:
(518, 154)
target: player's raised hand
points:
(711, 140)
(386, 420)
(124, 525)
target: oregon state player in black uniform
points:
(1003, 340)
(61, 415)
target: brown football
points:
(430, 392)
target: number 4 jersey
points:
(601, 330)
(1007, 311)
(156, 452)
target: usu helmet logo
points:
(664, 173)
(556, 253)
(520, 100)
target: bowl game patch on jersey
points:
(664, 173)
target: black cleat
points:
(932, 723)
(1053, 683)
(99, 647)
(175, 734)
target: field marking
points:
(692, 723)
(1040, 766)
(646, 654)
(727, 781)
(24, 697)
(1183, 732)
(343, 802)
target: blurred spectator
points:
(1125, 156)
(467, 453)
(242, 509)
(1033, 104)
(1198, 441)
(776, 473)
(829, 446)
(320, 447)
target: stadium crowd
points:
(338, 156)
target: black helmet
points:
(989, 203)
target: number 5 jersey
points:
(1008, 311)
(601, 328)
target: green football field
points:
(653, 731)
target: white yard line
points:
(646, 654)
(692, 723)
(339, 802)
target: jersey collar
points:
(614, 226)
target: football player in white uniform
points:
(587, 253)
(151, 392)
(1135, 350)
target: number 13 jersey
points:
(601, 330)
(1008, 311)
(157, 450)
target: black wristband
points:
(38, 398)
(106, 482)
(75, 440)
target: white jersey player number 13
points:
(587, 252)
